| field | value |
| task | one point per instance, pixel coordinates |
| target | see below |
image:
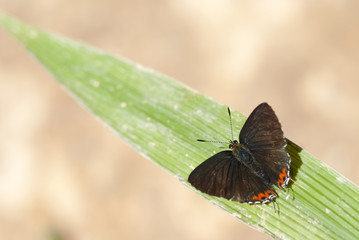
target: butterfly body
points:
(243, 155)
(247, 172)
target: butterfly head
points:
(233, 144)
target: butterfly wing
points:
(262, 134)
(222, 175)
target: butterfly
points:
(247, 171)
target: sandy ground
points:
(62, 172)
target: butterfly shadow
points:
(294, 152)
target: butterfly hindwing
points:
(251, 188)
(263, 136)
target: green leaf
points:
(161, 118)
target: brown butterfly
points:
(247, 172)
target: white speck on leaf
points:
(237, 215)
(95, 83)
(340, 179)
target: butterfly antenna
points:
(230, 121)
(201, 140)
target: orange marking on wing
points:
(282, 176)
(261, 195)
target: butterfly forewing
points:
(212, 175)
(262, 134)
(222, 175)
(262, 129)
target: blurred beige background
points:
(62, 172)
